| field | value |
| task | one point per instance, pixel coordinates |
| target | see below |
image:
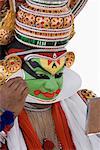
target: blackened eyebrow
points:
(32, 73)
(35, 64)
(28, 70)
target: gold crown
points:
(7, 24)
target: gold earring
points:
(13, 63)
(70, 58)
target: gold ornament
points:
(2, 79)
(7, 25)
(70, 58)
(8, 67)
(13, 63)
(3, 72)
(73, 28)
(86, 94)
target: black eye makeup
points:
(58, 75)
(42, 76)
(34, 64)
(33, 73)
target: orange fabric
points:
(31, 138)
(4, 147)
(61, 126)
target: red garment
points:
(61, 125)
(4, 147)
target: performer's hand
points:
(13, 94)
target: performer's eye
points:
(41, 76)
(59, 75)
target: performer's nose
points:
(51, 85)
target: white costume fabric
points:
(75, 110)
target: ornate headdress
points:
(45, 26)
(47, 23)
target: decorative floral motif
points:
(13, 64)
(10, 65)
(57, 23)
(50, 23)
(44, 21)
(3, 73)
(86, 94)
(26, 18)
(73, 3)
(6, 36)
(46, 9)
(68, 21)
(44, 34)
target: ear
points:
(70, 58)
(76, 6)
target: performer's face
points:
(45, 78)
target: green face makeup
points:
(41, 83)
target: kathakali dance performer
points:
(41, 104)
